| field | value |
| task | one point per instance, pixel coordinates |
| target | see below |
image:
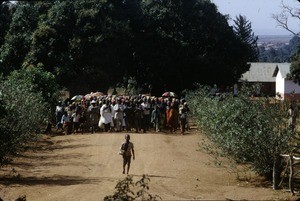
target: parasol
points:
(88, 96)
(97, 94)
(169, 94)
(93, 94)
(77, 98)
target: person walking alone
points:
(128, 148)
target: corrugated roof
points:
(263, 72)
(284, 69)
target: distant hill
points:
(279, 48)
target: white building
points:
(261, 73)
(273, 78)
(285, 89)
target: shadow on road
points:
(45, 160)
(149, 175)
(56, 180)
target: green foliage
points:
(243, 30)
(188, 45)
(42, 82)
(132, 87)
(84, 45)
(5, 19)
(295, 68)
(249, 131)
(18, 38)
(23, 110)
(91, 45)
(127, 190)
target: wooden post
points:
(290, 165)
(275, 173)
(291, 184)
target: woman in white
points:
(118, 109)
(106, 112)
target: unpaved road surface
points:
(87, 167)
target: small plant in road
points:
(127, 190)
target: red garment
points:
(172, 118)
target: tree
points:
(92, 45)
(5, 19)
(242, 29)
(188, 47)
(85, 46)
(18, 38)
(295, 68)
(282, 18)
(282, 21)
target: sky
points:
(259, 13)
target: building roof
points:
(284, 69)
(264, 72)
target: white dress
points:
(106, 113)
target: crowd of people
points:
(121, 113)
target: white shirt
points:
(118, 108)
(106, 113)
(146, 108)
(65, 118)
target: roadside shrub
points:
(127, 190)
(247, 130)
(23, 110)
(41, 81)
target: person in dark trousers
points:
(128, 148)
(155, 118)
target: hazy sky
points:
(259, 13)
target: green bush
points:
(247, 130)
(23, 111)
(127, 190)
(41, 81)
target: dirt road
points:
(87, 167)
